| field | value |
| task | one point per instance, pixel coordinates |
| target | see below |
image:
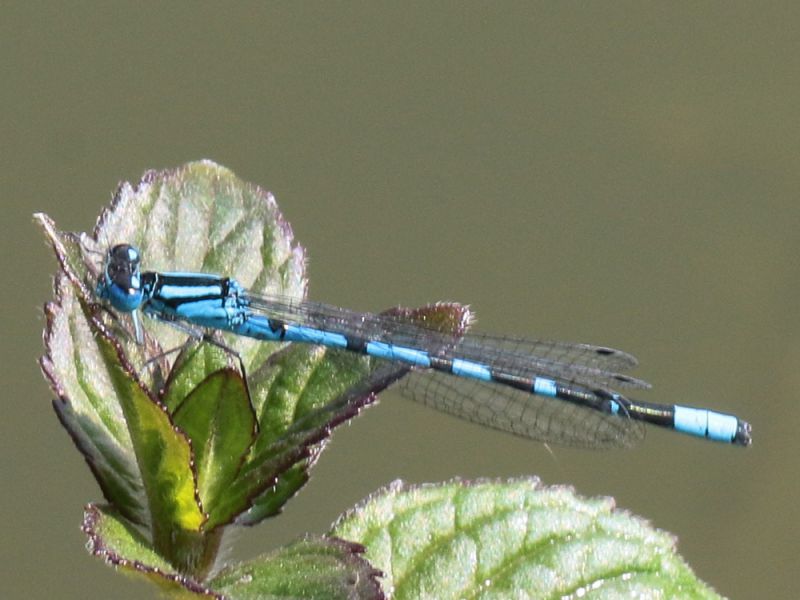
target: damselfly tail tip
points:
(743, 431)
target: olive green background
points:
(612, 173)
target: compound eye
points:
(124, 253)
(122, 267)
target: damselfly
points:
(549, 391)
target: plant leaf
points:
(200, 217)
(197, 217)
(300, 445)
(163, 453)
(102, 401)
(313, 567)
(118, 542)
(304, 392)
(73, 367)
(194, 363)
(219, 421)
(493, 539)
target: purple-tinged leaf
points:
(122, 545)
(311, 568)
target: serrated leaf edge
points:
(97, 547)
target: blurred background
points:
(616, 173)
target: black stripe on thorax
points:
(217, 288)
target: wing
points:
(583, 364)
(521, 413)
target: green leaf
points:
(218, 419)
(193, 364)
(492, 539)
(271, 502)
(200, 217)
(85, 404)
(162, 451)
(300, 395)
(134, 410)
(314, 567)
(303, 392)
(265, 468)
(110, 534)
(102, 400)
(118, 542)
(197, 217)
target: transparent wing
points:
(521, 413)
(584, 364)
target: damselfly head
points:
(120, 282)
